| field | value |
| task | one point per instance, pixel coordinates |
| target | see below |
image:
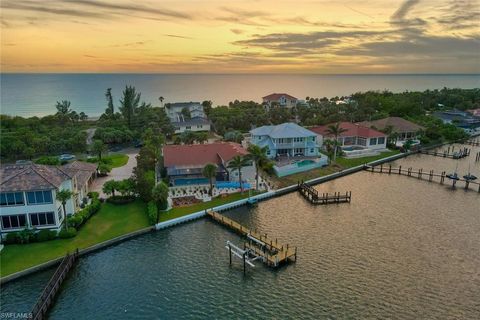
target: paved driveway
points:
(120, 173)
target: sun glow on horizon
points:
(261, 36)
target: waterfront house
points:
(294, 148)
(286, 139)
(184, 163)
(28, 194)
(356, 140)
(187, 116)
(403, 129)
(280, 99)
(460, 119)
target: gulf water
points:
(36, 94)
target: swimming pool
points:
(352, 148)
(192, 181)
(304, 163)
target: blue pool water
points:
(305, 163)
(231, 184)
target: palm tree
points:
(160, 196)
(63, 196)
(259, 156)
(161, 100)
(210, 171)
(129, 103)
(237, 163)
(335, 130)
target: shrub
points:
(11, 238)
(45, 235)
(26, 236)
(93, 195)
(76, 220)
(53, 161)
(121, 199)
(67, 233)
(152, 213)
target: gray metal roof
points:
(284, 130)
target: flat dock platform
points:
(273, 253)
(312, 195)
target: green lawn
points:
(348, 163)
(110, 222)
(182, 211)
(116, 160)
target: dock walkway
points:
(47, 297)
(272, 252)
(312, 195)
(430, 175)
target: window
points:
(361, 141)
(312, 150)
(39, 197)
(373, 141)
(14, 221)
(11, 199)
(42, 219)
(199, 126)
(381, 140)
(188, 128)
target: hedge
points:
(152, 213)
(67, 233)
(82, 216)
(121, 199)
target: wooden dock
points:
(312, 195)
(451, 154)
(47, 297)
(429, 175)
(472, 142)
(272, 253)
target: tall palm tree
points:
(110, 108)
(237, 163)
(129, 103)
(209, 172)
(335, 130)
(63, 108)
(259, 156)
(160, 196)
(63, 196)
(161, 101)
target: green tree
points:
(98, 147)
(335, 130)
(109, 187)
(129, 104)
(63, 196)
(237, 163)
(63, 108)
(110, 108)
(82, 116)
(259, 157)
(187, 115)
(209, 172)
(160, 197)
(201, 137)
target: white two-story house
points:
(286, 139)
(187, 116)
(28, 194)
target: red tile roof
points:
(353, 130)
(277, 96)
(201, 154)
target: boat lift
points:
(247, 255)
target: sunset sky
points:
(258, 36)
